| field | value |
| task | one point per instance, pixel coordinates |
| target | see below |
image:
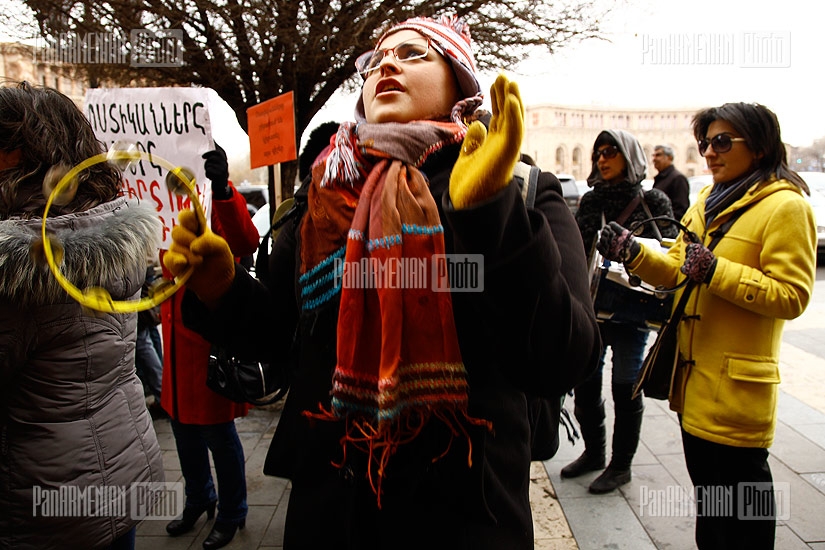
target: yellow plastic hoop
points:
(98, 298)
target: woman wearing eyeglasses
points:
(619, 166)
(406, 424)
(760, 274)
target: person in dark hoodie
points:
(406, 424)
(619, 166)
(72, 411)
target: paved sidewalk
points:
(565, 515)
(267, 497)
(628, 518)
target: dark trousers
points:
(148, 364)
(726, 480)
(194, 443)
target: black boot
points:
(187, 520)
(222, 534)
(591, 422)
(626, 429)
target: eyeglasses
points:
(721, 143)
(608, 153)
(406, 51)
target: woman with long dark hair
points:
(760, 275)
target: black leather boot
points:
(222, 534)
(626, 429)
(592, 459)
(187, 520)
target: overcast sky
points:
(687, 53)
(683, 53)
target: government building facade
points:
(25, 62)
(560, 139)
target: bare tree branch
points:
(252, 50)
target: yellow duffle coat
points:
(732, 329)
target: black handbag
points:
(615, 298)
(257, 383)
(619, 302)
(661, 361)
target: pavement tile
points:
(605, 522)
(806, 503)
(549, 524)
(797, 451)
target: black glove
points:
(617, 243)
(217, 170)
(700, 263)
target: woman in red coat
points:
(202, 420)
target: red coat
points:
(184, 395)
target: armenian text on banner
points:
(271, 128)
(170, 123)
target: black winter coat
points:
(611, 200)
(532, 327)
(675, 185)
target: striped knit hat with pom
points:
(450, 36)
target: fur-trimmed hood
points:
(106, 246)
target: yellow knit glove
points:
(485, 165)
(207, 252)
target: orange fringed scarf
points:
(399, 363)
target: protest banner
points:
(271, 127)
(171, 123)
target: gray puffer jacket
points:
(72, 411)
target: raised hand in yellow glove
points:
(208, 253)
(485, 165)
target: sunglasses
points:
(721, 143)
(608, 153)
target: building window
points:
(578, 169)
(692, 154)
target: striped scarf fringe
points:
(398, 361)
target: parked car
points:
(818, 204)
(261, 220)
(815, 180)
(696, 184)
(256, 196)
(570, 191)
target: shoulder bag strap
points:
(717, 236)
(527, 176)
(650, 215)
(631, 206)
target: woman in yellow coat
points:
(760, 274)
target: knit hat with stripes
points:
(450, 36)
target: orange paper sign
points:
(271, 127)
